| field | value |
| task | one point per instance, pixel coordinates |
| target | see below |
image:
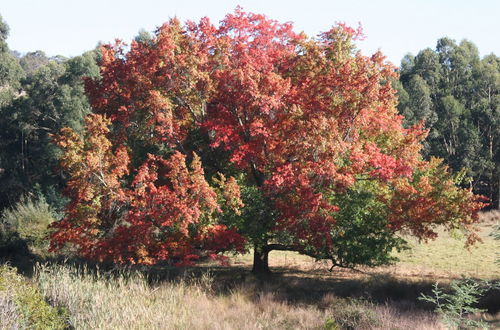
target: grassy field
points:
(442, 258)
(301, 293)
(447, 257)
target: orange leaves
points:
(217, 238)
(91, 161)
(432, 199)
(94, 171)
(304, 121)
(160, 86)
(229, 192)
(168, 194)
(169, 203)
(159, 216)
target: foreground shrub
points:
(456, 307)
(356, 314)
(22, 305)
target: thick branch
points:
(335, 263)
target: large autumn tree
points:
(206, 136)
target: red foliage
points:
(305, 119)
(165, 214)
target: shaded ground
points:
(300, 281)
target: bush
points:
(23, 306)
(30, 218)
(353, 314)
(456, 307)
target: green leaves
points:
(457, 94)
(456, 307)
(362, 235)
(48, 96)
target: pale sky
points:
(397, 27)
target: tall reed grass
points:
(96, 300)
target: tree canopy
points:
(207, 137)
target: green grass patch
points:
(447, 255)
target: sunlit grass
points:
(444, 257)
(447, 256)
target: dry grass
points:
(127, 301)
(490, 217)
(8, 312)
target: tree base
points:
(260, 261)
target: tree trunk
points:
(260, 260)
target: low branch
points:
(280, 247)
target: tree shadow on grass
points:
(286, 284)
(300, 287)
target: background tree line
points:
(39, 95)
(456, 93)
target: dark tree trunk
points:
(261, 255)
(260, 260)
